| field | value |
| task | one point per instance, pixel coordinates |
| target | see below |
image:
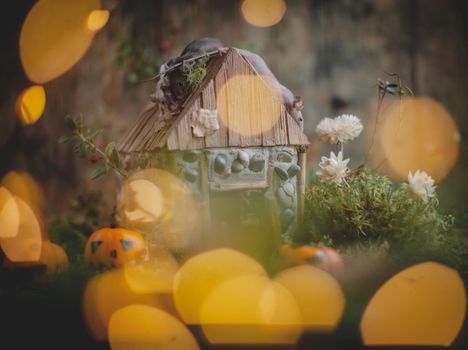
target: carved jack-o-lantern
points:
(115, 247)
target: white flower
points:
(421, 184)
(333, 168)
(342, 129)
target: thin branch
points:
(171, 68)
(102, 154)
(379, 106)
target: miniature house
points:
(232, 138)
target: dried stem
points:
(102, 154)
(374, 133)
(171, 68)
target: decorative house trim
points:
(217, 187)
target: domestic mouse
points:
(179, 85)
(293, 103)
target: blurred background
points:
(329, 52)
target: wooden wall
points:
(328, 51)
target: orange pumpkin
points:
(323, 257)
(115, 247)
(53, 256)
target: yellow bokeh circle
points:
(30, 104)
(110, 291)
(160, 206)
(422, 305)
(419, 134)
(201, 274)
(318, 295)
(97, 19)
(55, 35)
(26, 245)
(9, 214)
(144, 327)
(26, 187)
(251, 309)
(263, 13)
(255, 104)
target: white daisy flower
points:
(342, 129)
(421, 184)
(333, 168)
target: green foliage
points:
(140, 64)
(82, 219)
(369, 212)
(85, 146)
(195, 72)
(368, 207)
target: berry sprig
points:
(85, 147)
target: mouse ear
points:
(298, 103)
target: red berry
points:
(164, 45)
(94, 158)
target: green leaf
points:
(132, 77)
(95, 134)
(112, 153)
(82, 149)
(79, 123)
(110, 149)
(406, 91)
(65, 138)
(70, 123)
(98, 172)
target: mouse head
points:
(298, 103)
(179, 86)
(296, 111)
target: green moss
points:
(368, 212)
(195, 72)
(72, 230)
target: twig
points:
(102, 154)
(171, 68)
(379, 106)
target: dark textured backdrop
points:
(329, 52)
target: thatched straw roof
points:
(270, 127)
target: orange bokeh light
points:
(253, 113)
(144, 327)
(251, 309)
(159, 205)
(53, 256)
(26, 245)
(53, 37)
(26, 187)
(202, 273)
(318, 295)
(153, 276)
(109, 292)
(30, 104)
(9, 214)
(417, 134)
(422, 305)
(263, 13)
(97, 19)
